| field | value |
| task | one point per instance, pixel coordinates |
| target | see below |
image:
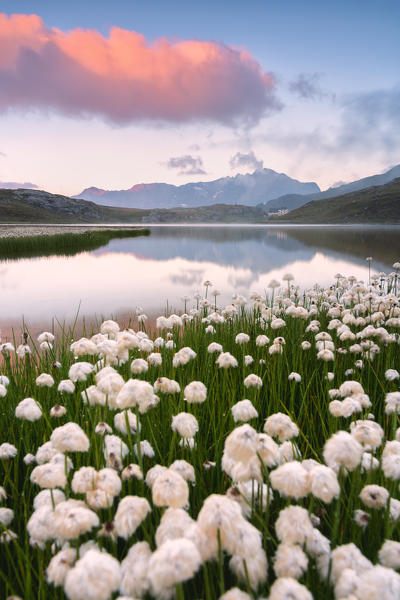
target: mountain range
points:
(348, 203)
(264, 187)
(248, 190)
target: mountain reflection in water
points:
(174, 261)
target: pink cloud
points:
(123, 78)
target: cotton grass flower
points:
(225, 360)
(84, 480)
(294, 377)
(241, 443)
(6, 516)
(374, 496)
(28, 410)
(291, 480)
(131, 471)
(95, 576)
(195, 392)
(83, 347)
(262, 340)
(73, 518)
(391, 460)
(379, 582)
(183, 356)
(185, 470)
(137, 392)
(281, 426)
(285, 588)
(392, 403)
(80, 371)
(124, 420)
(114, 448)
(146, 449)
(389, 554)
(70, 438)
(131, 512)
(290, 561)
(134, 581)
(154, 359)
(174, 562)
(392, 375)
(243, 411)
(293, 526)
(59, 566)
(185, 424)
(214, 348)
(324, 484)
(253, 380)
(49, 475)
(170, 489)
(139, 365)
(153, 473)
(66, 386)
(368, 433)
(252, 568)
(342, 450)
(166, 386)
(242, 338)
(44, 380)
(58, 411)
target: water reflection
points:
(174, 261)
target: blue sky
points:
(336, 79)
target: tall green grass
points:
(64, 244)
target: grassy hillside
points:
(35, 206)
(27, 206)
(380, 204)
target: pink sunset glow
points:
(123, 78)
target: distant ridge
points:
(292, 201)
(248, 190)
(377, 204)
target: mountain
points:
(292, 201)
(377, 204)
(37, 206)
(248, 190)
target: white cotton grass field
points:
(250, 451)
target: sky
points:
(112, 94)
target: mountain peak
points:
(248, 189)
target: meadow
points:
(238, 452)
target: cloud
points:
(14, 185)
(248, 160)
(3, 154)
(188, 165)
(307, 86)
(187, 277)
(371, 118)
(123, 78)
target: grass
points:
(22, 566)
(64, 244)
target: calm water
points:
(174, 262)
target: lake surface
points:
(174, 261)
